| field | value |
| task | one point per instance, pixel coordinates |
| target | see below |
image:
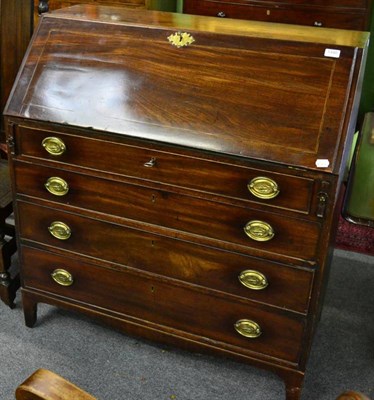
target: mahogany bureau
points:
(177, 176)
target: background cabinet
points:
(165, 5)
(54, 4)
(344, 14)
(15, 32)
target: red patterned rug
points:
(354, 237)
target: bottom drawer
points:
(196, 312)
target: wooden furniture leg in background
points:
(8, 286)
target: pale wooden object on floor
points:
(46, 385)
(350, 395)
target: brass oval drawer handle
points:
(248, 328)
(57, 186)
(263, 188)
(62, 277)
(254, 280)
(259, 231)
(59, 230)
(54, 145)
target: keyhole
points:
(153, 198)
(151, 163)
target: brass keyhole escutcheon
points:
(151, 163)
(181, 39)
(248, 328)
(263, 188)
(252, 279)
(259, 231)
(62, 277)
(54, 145)
(57, 186)
(59, 230)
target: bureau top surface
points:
(266, 91)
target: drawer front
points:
(164, 304)
(223, 271)
(293, 192)
(333, 18)
(235, 227)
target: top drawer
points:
(264, 185)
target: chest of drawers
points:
(162, 171)
(341, 14)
